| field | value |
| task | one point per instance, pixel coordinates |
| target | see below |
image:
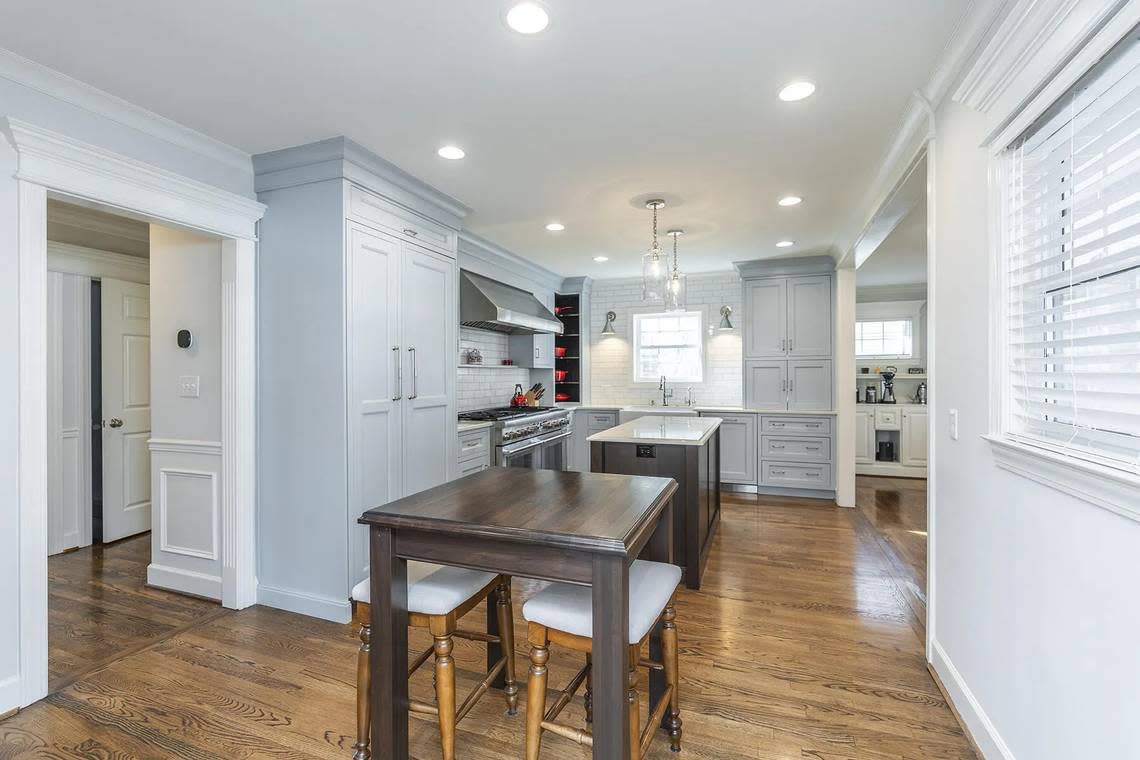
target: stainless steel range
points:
(534, 437)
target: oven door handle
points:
(535, 443)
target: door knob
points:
(115, 423)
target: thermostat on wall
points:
(185, 339)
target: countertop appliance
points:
(870, 395)
(534, 437)
(920, 395)
(888, 392)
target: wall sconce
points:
(725, 324)
(609, 327)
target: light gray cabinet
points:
(587, 422)
(533, 351)
(474, 451)
(809, 385)
(809, 316)
(765, 384)
(914, 437)
(737, 447)
(796, 475)
(766, 312)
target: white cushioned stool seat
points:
(434, 589)
(569, 608)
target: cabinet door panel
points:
(765, 384)
(865, 437)
(809, 385)
(809, 316)
(429, 320)
(738, 459)
(766, 312)
(374, 410)
(914, 438)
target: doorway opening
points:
(104, 532)
(893, 356)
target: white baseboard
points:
(978, 724)
(184, 581)
(10, 694)
(326, 608)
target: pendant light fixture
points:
(654, 265)
(675, 295)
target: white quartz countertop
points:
(755, 410)
(668, 431)
(467, 427)
(907, 405)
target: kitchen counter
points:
(467, 427)
(906, 405)
(664, 430)
(589, 407)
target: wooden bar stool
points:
(438, 596)
(563, 614)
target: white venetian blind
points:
(1072, 215)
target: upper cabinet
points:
(787, 317)
(787, 333)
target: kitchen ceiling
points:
(615, 102)
(901, 258)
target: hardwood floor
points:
(798, 646)
(896, 509)
(100, 609)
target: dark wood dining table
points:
(581, 528)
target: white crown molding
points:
(75, 168)
(89, 262)
(184, 446)
(1110, 489)
(52, 83)
(500, 260)
(880, 293)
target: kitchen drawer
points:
(795, 475)
(475, 445)
(788, 448)
(888, 419)
(795, 425)
(598, 421)
(372, 209)
(472, 467)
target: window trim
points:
(635, 344)
(899, 357)
(1102, 485)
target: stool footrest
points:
(477, 636)
(567, 694)
(654, 721)
(651, 664)
(480, 690)
(421, 658)
(578, 735)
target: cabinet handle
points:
(399, 375)
(812, 474)
(536, 351)
(783, 345)
(779, 472)
(784, 385)
(812, 448)
(775, 446)
(415, 390)
(411, 233)
(790, 385)
(778, 424)
(789, 345)
(812, 424)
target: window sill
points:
(1105, 487)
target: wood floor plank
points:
(799, 645)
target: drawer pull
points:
(776, 446)
(812, 425)
(810, 448)
(778, 424)
(410, 233)
(779, 472)
(812, 474)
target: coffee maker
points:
(888, 394)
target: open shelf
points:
(490, 366)
(570, 306)
(899, 376)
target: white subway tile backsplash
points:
(491, 384)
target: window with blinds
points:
(1071, 210)
(668, 344)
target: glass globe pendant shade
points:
(654, 273)
(675, 292)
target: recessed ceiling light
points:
(601, 259)
(556, 226)
(527, 18)
(791, 200)
(451, 152)
(785, 244)
(797, 91)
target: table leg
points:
(659, 549)
(389, 669)
(610, 656)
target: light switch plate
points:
(188, 386)
(953, 424)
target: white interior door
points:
(126, 408)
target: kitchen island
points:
(686, 449)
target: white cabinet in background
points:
(765, 307)
(864, 437)
(474, 451)
(809, 316)
(737, 448)
(809, 385)
(914, 437)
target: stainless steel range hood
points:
(491, 305)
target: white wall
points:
(490, 385)
(186, 461)
(1034, 596)
(611, 357)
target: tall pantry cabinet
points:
(358, 329)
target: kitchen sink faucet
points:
(666, 394)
